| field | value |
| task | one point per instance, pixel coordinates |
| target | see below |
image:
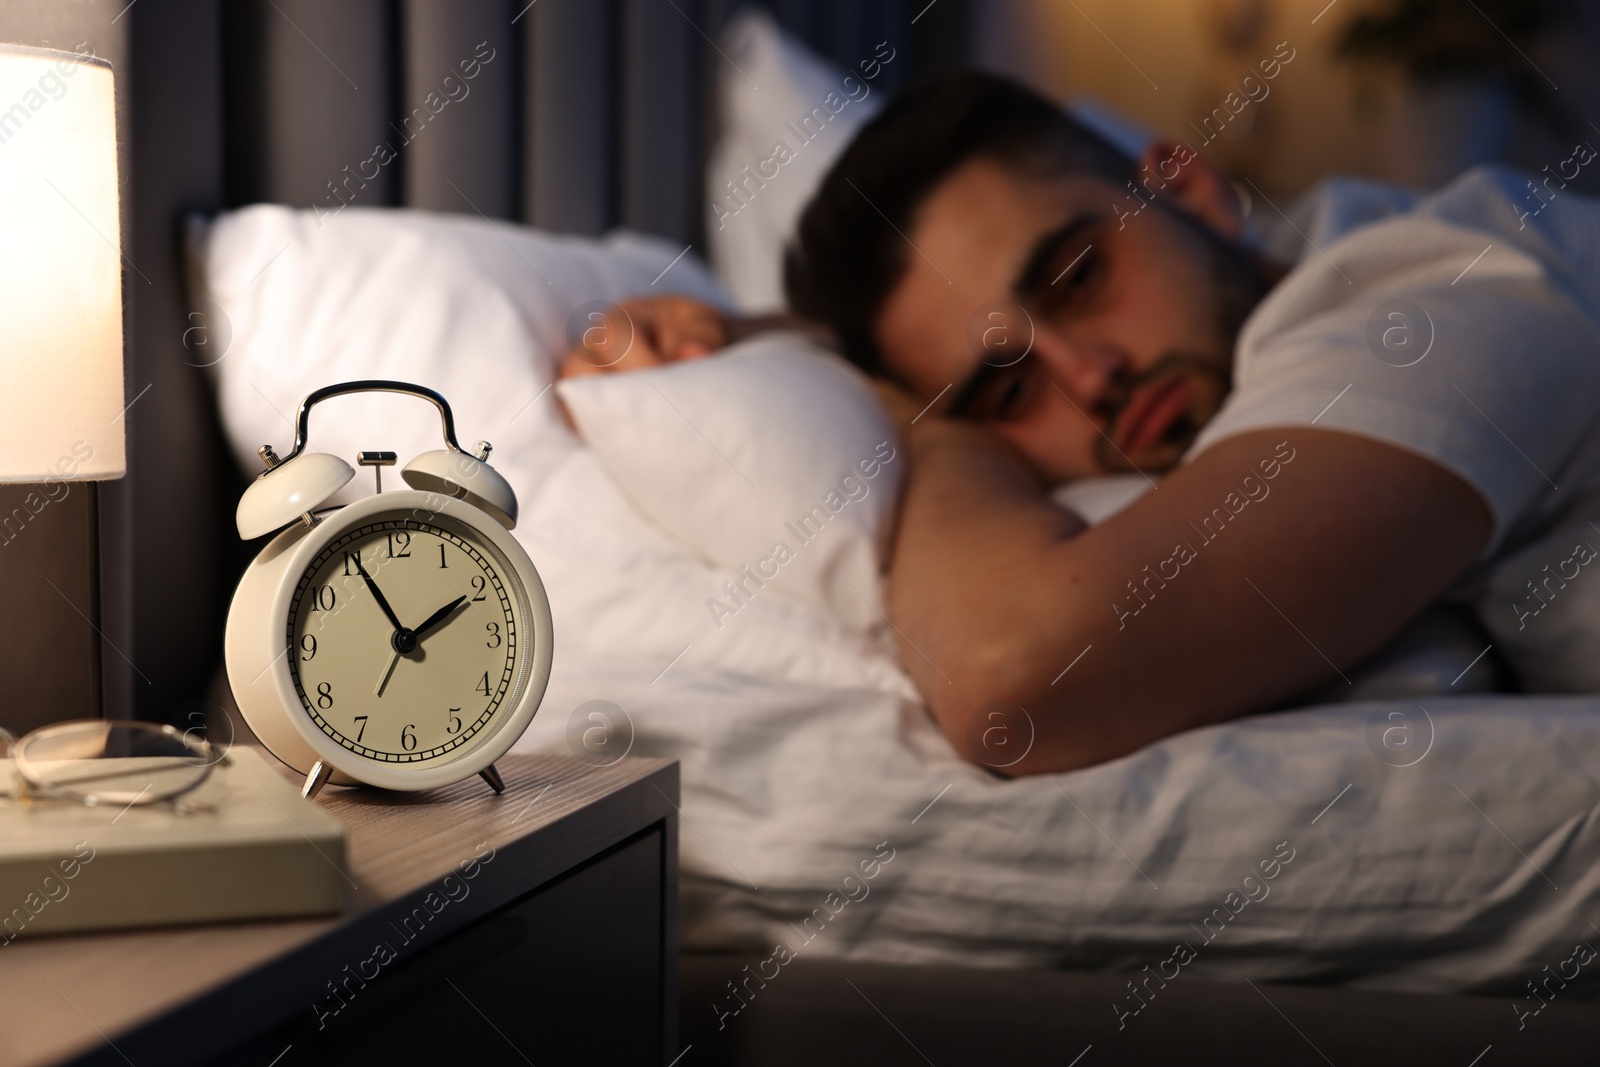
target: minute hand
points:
(377, 594)
(439, 616)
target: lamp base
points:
(50, 617)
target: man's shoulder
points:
(1471, 250)
(1332, 208)
(1356, 217)
(1443, 329)
(1480, 195)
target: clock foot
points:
(492, 776)
(320, 773)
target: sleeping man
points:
(1399, 407)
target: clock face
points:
(421, 682)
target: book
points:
(244, 846)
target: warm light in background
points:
(1168, 64)
(61, 389)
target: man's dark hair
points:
(849, 250)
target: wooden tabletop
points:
(67, 993)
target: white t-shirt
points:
(1463, 325)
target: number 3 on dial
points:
(386, 637)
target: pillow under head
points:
(772, 459)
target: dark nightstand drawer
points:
(539, 926)
(571, 973)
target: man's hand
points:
(645, 332)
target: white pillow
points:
(772, 459)
(479, 311)
(1097, 499)
(778, 84)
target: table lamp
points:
(61, 387)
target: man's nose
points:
(1086, 368)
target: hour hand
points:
(377, 594)
(439, 616)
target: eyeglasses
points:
(110, 762)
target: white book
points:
(248, 848)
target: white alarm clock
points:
(403, 641)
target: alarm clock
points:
(403, 641)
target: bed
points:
(1003, 920)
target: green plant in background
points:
(1440, 41)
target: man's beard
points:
(1210, 377)
(1238, 282)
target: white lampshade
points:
(61, 394)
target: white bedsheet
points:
(1468, 871)
(803, 752)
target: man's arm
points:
(1242, 594)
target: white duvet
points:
(823, 814)
(1436, 846)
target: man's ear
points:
(1195, 184)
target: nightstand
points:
(559, 947)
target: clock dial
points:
(406, 639)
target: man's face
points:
(1089, 345)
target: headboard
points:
(584, 115)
